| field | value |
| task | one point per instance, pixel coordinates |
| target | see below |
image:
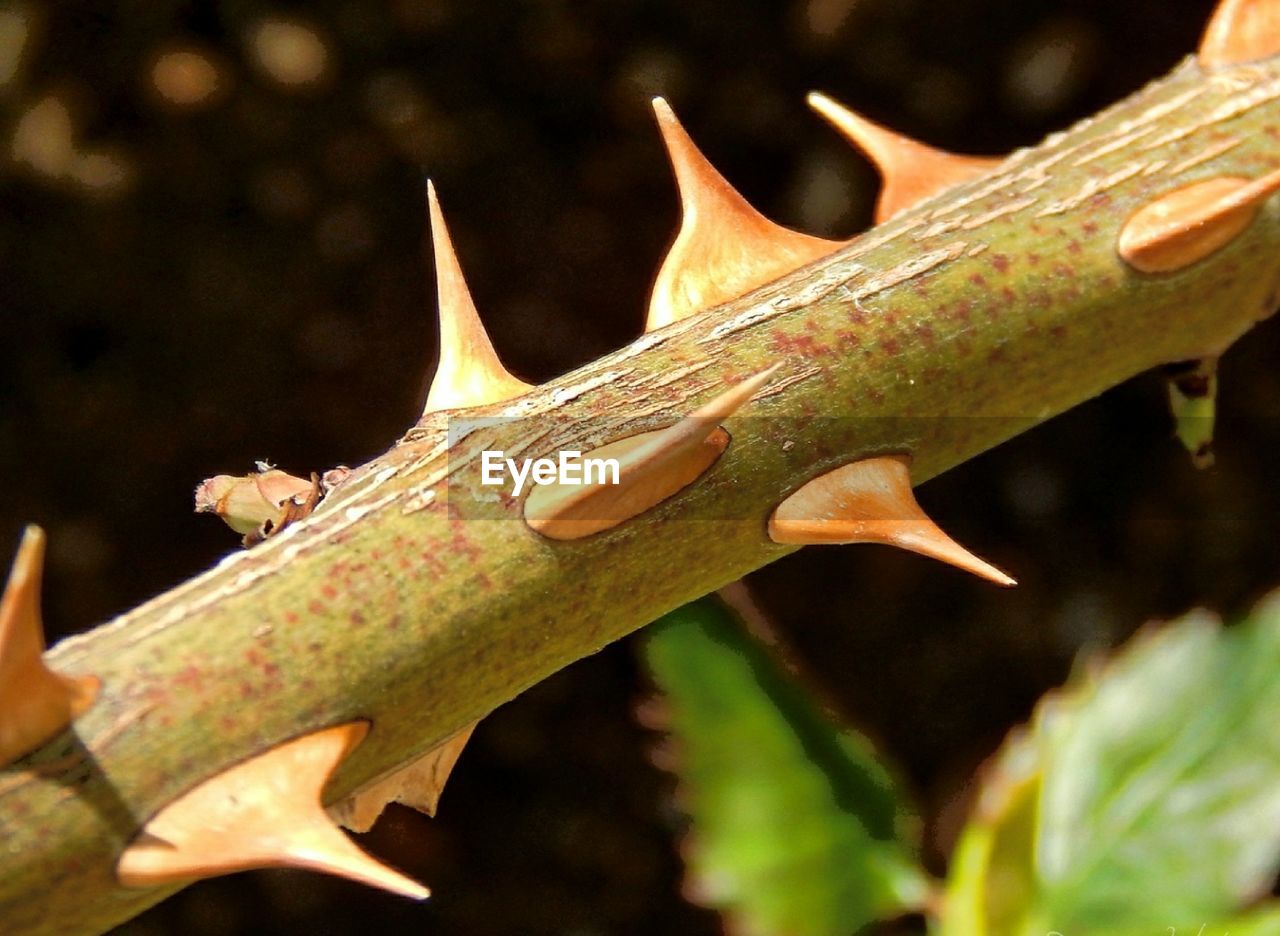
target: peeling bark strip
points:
(393, 605)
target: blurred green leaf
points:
(1155, 786)
(1262, 922)
(797, 827)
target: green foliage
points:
(1263, 922)
(1145, 797)
(797, 828)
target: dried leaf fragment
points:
(259, 503)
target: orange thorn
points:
(417, 785)
(263, 813)
(469, 372)
(911, 171)
(652, 467)
(724, 248)
(1189, 224)
(1240, 31)
(36, 703)
(870, 501)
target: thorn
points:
(1240, 31)
(36, 703)
(263, 813)
(652, 466)
(1193, 390)
(911, 171)
(724, 248)
(469, 372)
(417, 786)
(1187, 225)
(870, 501)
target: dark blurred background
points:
(210, 253)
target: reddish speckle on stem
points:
(460, 544)
(328, 591)
(804, 345)
(1033, 259)
(190, 677)
(891, 346)
(977, 279)
(291, 617)
(435, 568)
(1000, 262)
(356, 618)
(317, 607)
(1089, 228)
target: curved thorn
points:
(263, 813)
(469, 372)
(36, 703)
(651, 467)
(417, 785)
(870, 501)
(1186, 225)
(724, 248)
(911, 171)
(1240, 31)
